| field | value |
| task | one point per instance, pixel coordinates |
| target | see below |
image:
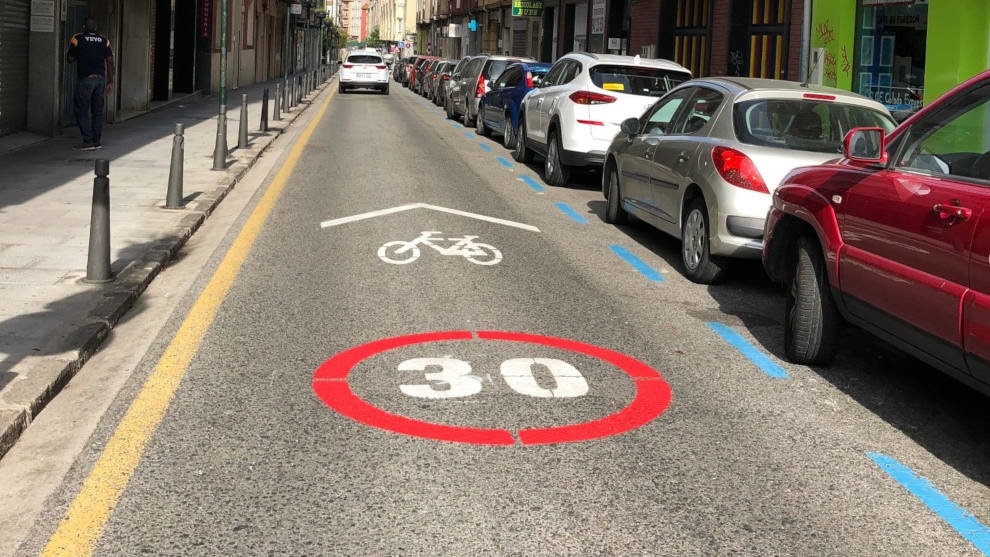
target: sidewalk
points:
(50, 322)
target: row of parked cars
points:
(860, 219)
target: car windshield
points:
(636, 80)
(801, 124)
(364, 59)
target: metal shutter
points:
(519, 42)
(14, 16)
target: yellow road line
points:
(83, 524)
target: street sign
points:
(527, 8)
(295, 9)
(455, 380)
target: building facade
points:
(901, 53)
(164, 50)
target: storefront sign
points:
(527, 8)
(206, 19)
(42, 16)
(295, 9)
(598, 17)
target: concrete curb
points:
(51, 374)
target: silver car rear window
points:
(801, 124)
(636, 80)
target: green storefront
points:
(901, 52)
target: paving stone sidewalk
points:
(50, 321)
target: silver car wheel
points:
(508, 141)
(693, 242)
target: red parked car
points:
(895, 238)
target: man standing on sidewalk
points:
(94, 66)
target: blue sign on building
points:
(473, 25)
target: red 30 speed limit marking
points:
(652, 393)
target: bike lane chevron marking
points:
(411, 206)
(653, 394)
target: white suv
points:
(364, 69)
(578, 108)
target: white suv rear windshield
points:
(803, 125)
(364, 59)
(636, 80)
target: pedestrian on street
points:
(91, 53)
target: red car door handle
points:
(946, 212)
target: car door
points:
(504, 85)
(635, 165)
(908, 231)
(675, 155)
(466, 80)
(535, 126)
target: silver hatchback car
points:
(702, 162)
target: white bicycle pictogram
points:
(399, 252)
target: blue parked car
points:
(499, 108)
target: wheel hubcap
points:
(551, 157)
(694, 239)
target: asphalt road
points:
(252, 456)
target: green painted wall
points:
(958, 44)
(833, 27)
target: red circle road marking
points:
(652, 394)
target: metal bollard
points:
(285, 95)
(173, 199)
(220, 148)
(277, 114)
(264, 110)
(292, 92)
(242, 131)
(98, 260)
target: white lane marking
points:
(410, 206)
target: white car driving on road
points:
(364, 69)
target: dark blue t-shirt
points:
(91, 51)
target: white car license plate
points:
(366, 75)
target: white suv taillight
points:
(738, 169)
(588, 97)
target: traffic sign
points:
(330, 383)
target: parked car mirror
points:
(455, 76)
(490, 84)
(630, 126)
(866, 145)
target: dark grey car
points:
(466, 91)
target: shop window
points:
(758, 39)
(692, 35)
(890, 52)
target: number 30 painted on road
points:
(517, 372)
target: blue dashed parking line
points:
(959, 519)
(575, 216)
(751, 352)
(650, 273)
(531, 183)
(469, 134)
(503, 162)
(485, 147)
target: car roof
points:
(503, 57)
(767, 87)
(661, 63)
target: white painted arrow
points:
(401, 208)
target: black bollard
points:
(264, 110)
(278, 104)
(242, 131)
(173, 199)
(98, 261)
(220, 147)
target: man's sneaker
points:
(85, 146)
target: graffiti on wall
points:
(836, 57)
